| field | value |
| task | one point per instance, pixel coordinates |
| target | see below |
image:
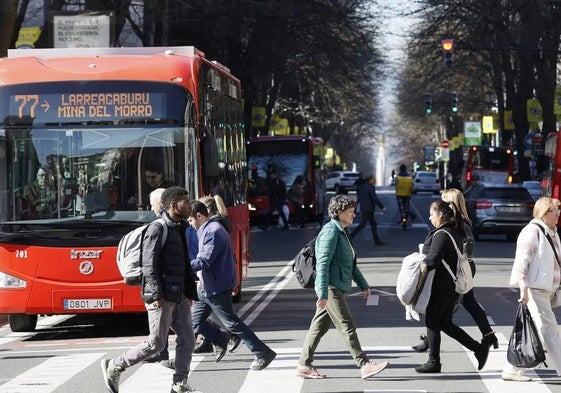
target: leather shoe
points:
(234, 343)
(203, 346)
(481, 355)
(429, 367)
(423, 346)
(219, 352)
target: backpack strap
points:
(457, 253)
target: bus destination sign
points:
(87, 106)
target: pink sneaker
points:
(309, 372)
(372, 368)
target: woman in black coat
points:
(438, 246)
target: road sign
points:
(445, 144)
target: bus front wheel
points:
(22, 322)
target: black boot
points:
(423, 346)
(490, 339)
(481, 355)
(431, 366)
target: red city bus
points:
(493, 164)
(551, 180)
(289, 156)
(79, 131)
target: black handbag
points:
(524, 347)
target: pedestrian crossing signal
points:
(447, 51)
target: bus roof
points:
(130, 63)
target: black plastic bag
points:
(524, 347)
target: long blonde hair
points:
(456, 196)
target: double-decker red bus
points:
(289, 156)
(80, 133)
(551, 180)
(493, 165)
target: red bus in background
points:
(493, 164)
(551, 180)
(288, 156)
(88, 124)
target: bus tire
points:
(22, 322)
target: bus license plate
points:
(87, 304)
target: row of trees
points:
(316, 61)
(506, 52)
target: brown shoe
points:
(372, 368)
(308, 372)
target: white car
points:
(341, 181)
(425, 181)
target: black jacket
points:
(166, 271)
(438, 247)
(368, 199)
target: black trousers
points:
(367, 217)
(439, 319)
(474, 309)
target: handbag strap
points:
(550, 242)
(457, 253)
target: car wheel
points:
(512, 236)
(337, 189)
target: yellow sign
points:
(509, 121)
(258, 116)
(557, 103)
(487, 125)
(27, 37)
(533, 110)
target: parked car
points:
(534, 188)
(425, 181)
(499, 209)
(341, 181)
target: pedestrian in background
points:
(537, 274)
(336, 269)
(403, 190)
(368, 200)
(167, 288)
(438, 246)
(296, 198)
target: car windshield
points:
(506, 193)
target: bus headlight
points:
(7, 281)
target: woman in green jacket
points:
(336, 268)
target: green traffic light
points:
(428, 111)
(454, 109)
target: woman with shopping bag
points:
(536, 272)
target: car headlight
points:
(7, 281)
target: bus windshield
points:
(88, 150)
(287, 159)
(70, 172)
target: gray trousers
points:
(336, 311)
(160, 320)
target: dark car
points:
(499, 209)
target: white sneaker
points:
(182, 387)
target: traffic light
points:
(447, 51)
(454, 103)
(428, 103)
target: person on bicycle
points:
(403, 190)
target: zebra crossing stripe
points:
(278, 377)
(49, 375)
(153, 377)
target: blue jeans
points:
(222, 306)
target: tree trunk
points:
(8, 14)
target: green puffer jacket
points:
(335, 255)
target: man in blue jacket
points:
(368, 200)
(216, 262)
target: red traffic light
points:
(447, 45)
